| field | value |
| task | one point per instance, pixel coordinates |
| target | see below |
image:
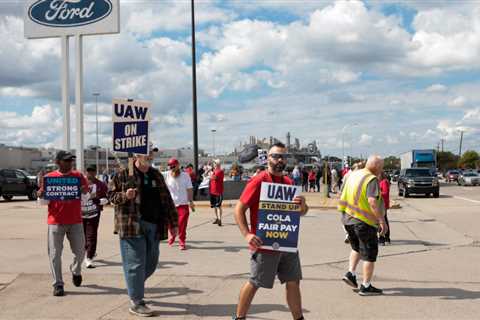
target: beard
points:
(277, 167)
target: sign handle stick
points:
(65, 96)
(79, 102)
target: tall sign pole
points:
(194, 93)
(65, 95)
(79, 102)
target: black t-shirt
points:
(150, 195)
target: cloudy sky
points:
(390, 75)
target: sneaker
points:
(238, 318)
(58, 291)
(215, 221)
(89, 263)
(183, 247)
(370, 291)
(77, 280)
(141, 310)
(219, 223)
(347, 239)
(350, 279)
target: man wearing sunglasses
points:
(266, 264)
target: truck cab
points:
(418, 181)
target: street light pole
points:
(96, 94)
(194, 93)
(213, 135)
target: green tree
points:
(446, 161)
(469, 159)
(391, 163)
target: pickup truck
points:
(418, 181)
(17, 183)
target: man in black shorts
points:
(363, 216)
(216, 191)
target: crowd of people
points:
(150, 206)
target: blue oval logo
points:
(69, 13)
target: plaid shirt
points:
(127, 212)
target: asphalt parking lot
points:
(431, 270)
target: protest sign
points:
(62, 188)
(278, 217)
(131, 126)
(262, 157)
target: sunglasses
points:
(277, 156)
(172, 166)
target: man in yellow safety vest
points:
(363, 210)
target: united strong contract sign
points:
(62, 188)
(278, 217)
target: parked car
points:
(452, 175)
(469, 178)
(16, 183)
(418, 181)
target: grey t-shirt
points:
(373, 191)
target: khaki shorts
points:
(264, 266)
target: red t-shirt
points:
(312, 176)
(66, 212)
(216, 182)
(251, 194)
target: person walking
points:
(363, 216)
(312, 176)
(65, 219)
(266, 265)
(180, 186)
(304, 179)
(91, 209)
(385, 192)
(296, 175)
(334, 175)
(143, 211)
(318, 178)
(216, 191)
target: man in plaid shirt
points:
(143, 211)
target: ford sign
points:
(58, 18)
(69, 13)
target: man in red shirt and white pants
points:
(65, 219)
(265, 264)
(216, 191)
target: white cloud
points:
(436, 88)
(365, 139)
(458, 102)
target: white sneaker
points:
(89, 263)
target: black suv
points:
(418, 181)
(16, 183)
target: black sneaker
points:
(370, 291)
(77, 280)
(58, 291)
(238, 318)
(215, 221)
(219, 223)
(350, 279)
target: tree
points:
(391, 163)
(446, 161)
(469, 159)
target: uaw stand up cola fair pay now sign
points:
(278, 217)
(130, 126)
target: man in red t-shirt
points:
(216, 191)
(65, 219)
(265, 265)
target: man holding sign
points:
(277, 222)
(63, 188)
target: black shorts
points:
(216, 201)
(364, 240)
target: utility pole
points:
(443, 140)
(461, 141)
(96, 94)
(194, 93)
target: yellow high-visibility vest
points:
(354, 201)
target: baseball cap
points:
(92, 168)
(64, 155)
(172, 162)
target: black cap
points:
(91, 168)
(64, 155)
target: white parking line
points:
(466, 199)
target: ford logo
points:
(69, 13)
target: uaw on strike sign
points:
(130, 126)
(278, 217)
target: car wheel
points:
(7, 198)
(436, 194)
(32, 195)
(427, 195)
